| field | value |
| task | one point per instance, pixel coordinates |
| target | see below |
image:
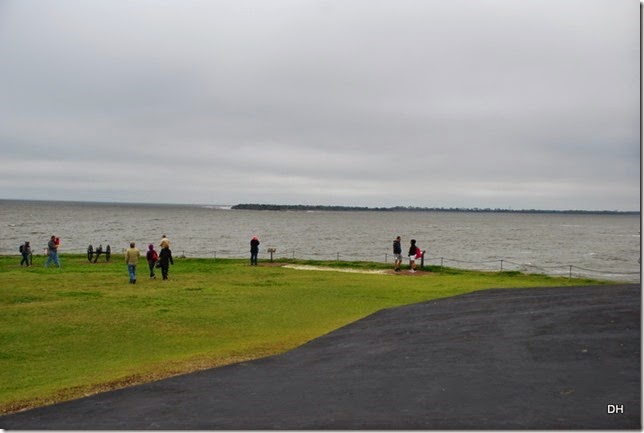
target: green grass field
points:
(66, 333)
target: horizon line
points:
(341, 207)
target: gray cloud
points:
(491, 103)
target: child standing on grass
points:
(152, 257)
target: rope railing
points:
(555, 270)
(501, 264)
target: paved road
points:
(547, 358)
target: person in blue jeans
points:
(52, 249)
(132, 259)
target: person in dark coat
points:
(165, 258)
(25, 250)
(397, 254)
(254, 250)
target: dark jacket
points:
(397, 247)
(165, 256)
(254, 246)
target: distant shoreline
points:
(320, 208)
(323, 208)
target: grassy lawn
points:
(66, 333)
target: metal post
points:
(337, 257)
(501, 265)
(570, 274)
(441, 264)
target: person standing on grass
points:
(152, 258)
(254, 250)
(132, 259)
(414, 253)
(25, 250)
(397, 254)
(165, 258)
(52, 251)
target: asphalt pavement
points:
(541, 358)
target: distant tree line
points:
(301, 207)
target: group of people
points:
(164, 259)
(52, 252)
(414, 254)
(161, 260)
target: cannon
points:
(95, 253)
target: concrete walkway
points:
(546, 358)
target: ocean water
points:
(598, 246)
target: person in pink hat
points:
(153, 257)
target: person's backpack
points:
(155, 256)
(22, 247)
(419, 253)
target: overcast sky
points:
(448, 103)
